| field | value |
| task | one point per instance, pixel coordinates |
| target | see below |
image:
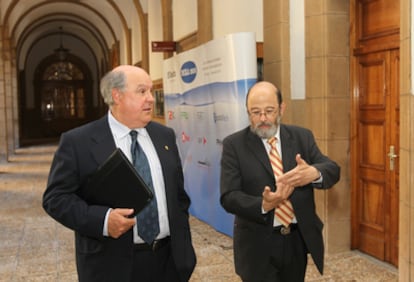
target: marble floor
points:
(33, 247)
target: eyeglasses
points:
(267, 112)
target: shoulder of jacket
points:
(294, 128)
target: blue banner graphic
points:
(204, 92)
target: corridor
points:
(33, 247)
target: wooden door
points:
(375, 130)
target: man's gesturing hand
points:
(273, 199)
(301, 175)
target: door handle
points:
(392, 157)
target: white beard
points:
(266, 133)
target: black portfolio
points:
(117, 184)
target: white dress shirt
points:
(122, 140)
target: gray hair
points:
(112, 80)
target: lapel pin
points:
(166, 147)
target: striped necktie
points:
(284, 212)
(147, 219)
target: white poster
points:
(204, 92)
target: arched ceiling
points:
(100, 24)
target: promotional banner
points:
(204, 96)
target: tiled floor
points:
(33, 247)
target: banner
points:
(204, 96)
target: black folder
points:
(117, 184)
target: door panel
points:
(372, 72)
(376, 226)
(375, 40)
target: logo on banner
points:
(222, 117)
(185, 137)
(171, 115)
(188, 72)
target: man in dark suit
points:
(108, 247)
(266, 248)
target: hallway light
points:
(61, 52)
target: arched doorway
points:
(63, 100)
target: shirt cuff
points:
(105, 227)
(319, 180)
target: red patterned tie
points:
(284, 213)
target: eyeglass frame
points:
(268, 112)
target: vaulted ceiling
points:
(99, 25)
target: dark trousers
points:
(154, 266)
(288, 258)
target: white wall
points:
(184, 18)
(136, 31)
(412, 48)
(229, 16)
(232, 16)
(297, 49)
(155, 34)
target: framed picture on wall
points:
(259, 54)
(158, 93)
(159, 102)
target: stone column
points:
(3, 131)
(10, 95)
(327, 85)
(327, 107)
(205, 27)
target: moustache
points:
(264, 123)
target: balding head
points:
(263, 87)
(118, 79)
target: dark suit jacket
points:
(100, 258)
(245, 171)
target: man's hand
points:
(301, 175)
(119, 223)
(273, 199)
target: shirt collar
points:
(120, 130)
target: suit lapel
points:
(102, 141)
(156, 138)
(255, 144)
(288, 149)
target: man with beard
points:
(268, 174)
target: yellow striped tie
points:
(284, 212)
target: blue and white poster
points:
(204, 94)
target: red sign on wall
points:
(163, 46)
